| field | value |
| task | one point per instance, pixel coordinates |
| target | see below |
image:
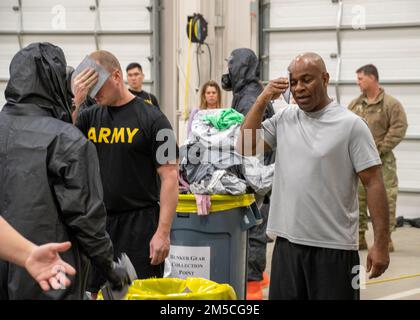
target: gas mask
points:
(227, 82)
(69, 91)
(69, 75)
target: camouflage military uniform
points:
(388, 123)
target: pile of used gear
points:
(210, 164)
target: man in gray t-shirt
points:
(322, 149)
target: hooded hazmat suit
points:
(50, 188)
(246, 86)
(244, 81)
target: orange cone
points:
(265, 282)
(254, 290)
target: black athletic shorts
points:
(307, 273)
(131, 233)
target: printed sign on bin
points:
(187, 262)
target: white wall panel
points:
(129, 49)
(292, 13)
(79, 15)
(114, 15)
(382, 11)
(409, 96)
(395, 52)
(147, 87)
(408, 162)
(2, 99)
(286, 46)
(75, 47)
(9, 19)
(408, 206)
(8, 47)
(332, 93)
(39, 15)
(125, 15)
(348, 93)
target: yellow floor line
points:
(393, 279)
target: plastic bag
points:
(177, 289)
(187, 203)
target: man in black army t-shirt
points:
(135, 77)
(138, 162)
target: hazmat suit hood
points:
(243, 68)
(38, 77)
(244, 81)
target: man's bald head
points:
(107, 60)
(113, 92)
(309, 82)
(310, 58)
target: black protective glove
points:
(117, 277)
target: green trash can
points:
(213, 247)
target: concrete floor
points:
(405, 261)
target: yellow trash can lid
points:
(187, 203)
(178, 289)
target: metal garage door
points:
(349, 34)
(128, 28)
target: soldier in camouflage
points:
(387, 121)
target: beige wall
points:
(231, 26)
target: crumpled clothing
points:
(222, 182)
(224, 119)
(203, 204)
(258, 177)
(209, 150)
(196, 153)
(209, 136)
(199, 163)
(197, 173)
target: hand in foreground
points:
(82, 84)
(377, 261)
(47, 268)
(276, 88)
(159, 248)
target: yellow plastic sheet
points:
(178, 289)
(187, 203)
